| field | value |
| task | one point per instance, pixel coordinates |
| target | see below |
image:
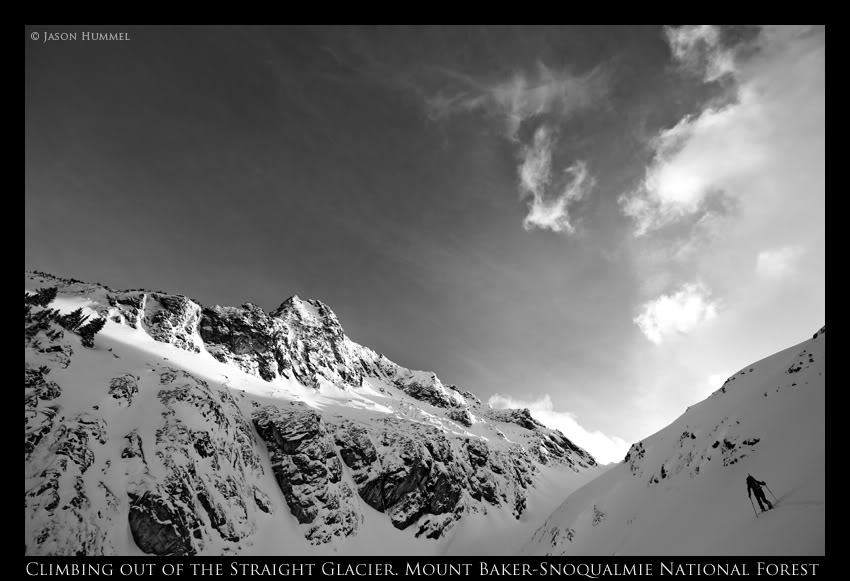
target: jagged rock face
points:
(60, 490)
(308, 471)
(38, 417)
(304, 340)
(178, 461)
(124, 388)
(555, 446)
(300, 339)
(195, 477)
(406, 471)
(552, 445)
(520, 417)
(206, 464)
(167, 318)
(461, 415)
(129, 308)
(314, 345)
(173, 319)
(156, 528)
(405, 468)
(205, 453)
(246, 337)
(427, 387)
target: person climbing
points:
(754, 485)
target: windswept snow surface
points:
(682, 490)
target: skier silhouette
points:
(754, 485)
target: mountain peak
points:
(339, 428)
(298, 308)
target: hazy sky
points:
(600, 224)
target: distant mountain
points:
(192, 430)
(682, 491)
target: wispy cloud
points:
(604, 448)
(698, 49)
(543, 91)
(679, 313)
(548, 208)
(534, 104)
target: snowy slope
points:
(682, 490)
(193, 430)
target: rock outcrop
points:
(308, 471)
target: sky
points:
(599, 224)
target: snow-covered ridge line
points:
(266, 345)
(682, 490)
(196, 430)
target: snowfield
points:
(682, 491)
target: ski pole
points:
(754, 506)
(771, 493)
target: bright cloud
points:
(711, 153)
(603, 447)
(777, 264)
(679, 313)
(733, 149)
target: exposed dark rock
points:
(245, 336)
(554, 445)
(598, 515)
(38, 423)
(173, 319)
(634, 456)
(262, 501)
(428, 388)
(157, 528)
(308, 471)
(416, 472)
(73, 437)
(357, 451)
(34, 380)
(124, 388)
(460, 415)
(133, 449)
(520, 417)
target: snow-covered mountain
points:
(682, 491)
(191, 430)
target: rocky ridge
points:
(187, 462)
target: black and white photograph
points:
(551, 291)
